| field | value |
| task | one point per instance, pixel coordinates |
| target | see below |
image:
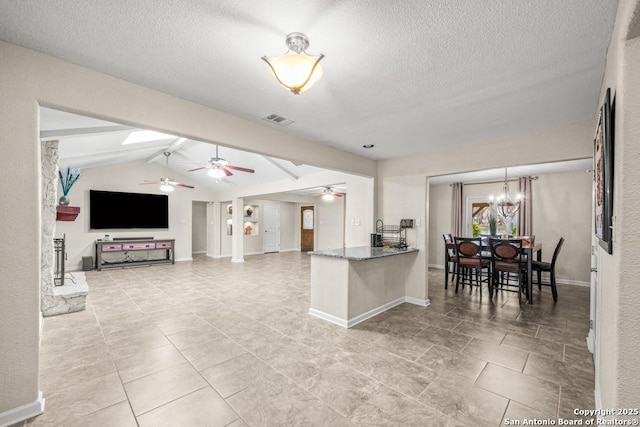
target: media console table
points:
(160, 251)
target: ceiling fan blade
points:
(150, 182)
(226, 171)
(238, 168)
(196, 169)
(338, 194)
(179, 184)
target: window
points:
(478, 214)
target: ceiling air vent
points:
(278, 120)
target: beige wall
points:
(618, 317)
(402, 182)
(561, 208)
(199, 227)
(30, 79)
(127, 177)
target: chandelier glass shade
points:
(296, 70)
(506, 205)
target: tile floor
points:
(210, 343)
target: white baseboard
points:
(358, 319)
(597, 397)
(198, 252)
(24, 412)
(572, 282)
(437, 266)
(418, 301)
(290, 250)
(328, 317)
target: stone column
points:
(62, 299)
(49, 156)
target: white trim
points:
(358, 319)
(290, 250)
(418, 301)
(328, 317)
(573, 282)
(253, 253)
(369, 314)
(198, 252)
(24, 412)
(237, 259)
(591, 343)
(438, 266)
(184, 259)
(598, 398)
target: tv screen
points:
(113, 210)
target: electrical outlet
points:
(357, 222)
(418, 222)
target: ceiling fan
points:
(219, 168)
(329, 193)
(166, 184)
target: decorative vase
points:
(230, 209)
(63, 201)
(248, 210)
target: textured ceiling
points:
(407, 76)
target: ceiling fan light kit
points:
(166, 185)
(220, 168)
(296, 70)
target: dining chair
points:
(471, 264)
(549, 267)
(450, 259)
(508, 264)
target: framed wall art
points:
(603, 174)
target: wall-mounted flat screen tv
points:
(113, 210)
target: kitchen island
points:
(350, 285)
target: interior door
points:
(271, 228)
(306, 228)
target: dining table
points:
(529, 250)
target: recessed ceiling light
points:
(368, 146)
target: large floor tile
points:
(177, 336)
(497, 354)
(203, 407)
(154, 390)
(538, 394)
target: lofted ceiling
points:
(86, 142)
(408, 77)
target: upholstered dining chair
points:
(549, 267)
(450, 259)
(508, 264)
(471, 264)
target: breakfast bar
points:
(350, 285)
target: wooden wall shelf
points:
(67, 213)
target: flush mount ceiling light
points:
(296, 70)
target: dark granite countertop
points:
(361, 253)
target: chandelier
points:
(506, 205)
(296, 70)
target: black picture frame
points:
(603, 174)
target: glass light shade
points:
(327, 197)
(166, 188)
(216, 173)
(293, 69)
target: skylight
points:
(145, 136)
